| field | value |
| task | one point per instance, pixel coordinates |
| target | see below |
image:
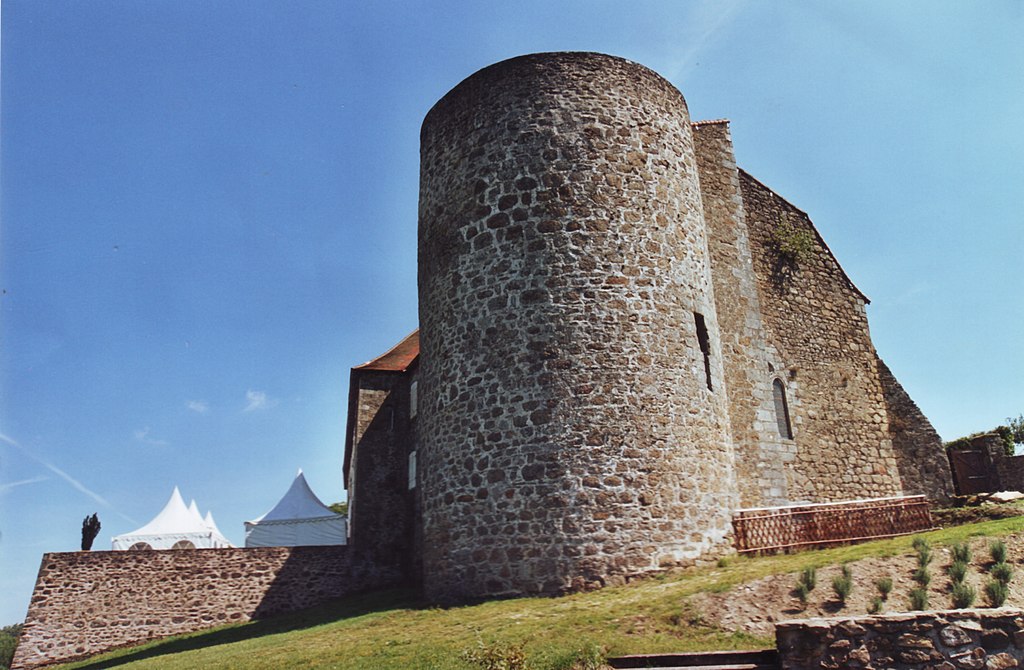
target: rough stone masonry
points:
(623, 338)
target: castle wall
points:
(88, 602)
(818, 332)
(381, 505)
(920, 455)
(568, 434)
(762, 453)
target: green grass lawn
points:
(392, 630)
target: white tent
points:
(298, 519)
(175, 527)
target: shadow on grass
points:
(345, 608)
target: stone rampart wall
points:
(949, 640)
(88, 602)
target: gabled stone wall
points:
(88, 602)
(818, 336)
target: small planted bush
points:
(996, 593)
(924, 556)
(957, 572)
(802, 592)
(495, 656)
(963, 595)
(876, 605)
(962, 553)
(809, 577)
(919, 543)
(997, 550)
(923, 577)
(1001, 572)
(842, 585)
(884, 586)
(918, 599)
(806, 582)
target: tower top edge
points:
(547, 64)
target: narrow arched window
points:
(782, 410)
(183, 544)
(139, 546)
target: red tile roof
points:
(398, 358)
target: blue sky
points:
(209, 215)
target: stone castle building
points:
(623, 339)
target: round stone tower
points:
(573, 420)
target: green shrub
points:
(842, 585)
(957, 571)
(794, 244)
(1006, 433)
(876, 605)
(919, 543)
(997, 550)
(884, 585)
(919, 599)
(588, 657)
(1001, 572)
(963, 595)
(495, 656)
(802, 592)
(962, 553)
(923, 577)
(924, 556)
(996, 593)
(809, 578)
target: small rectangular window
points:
(705, 346)
(412, 470)
(413, 399)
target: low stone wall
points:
(948, 640)
(88, 602)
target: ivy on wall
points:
(1004, 432)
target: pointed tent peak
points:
(174, 517)
(193, 509)
(299, 502)
(176, 495)
(211, 524)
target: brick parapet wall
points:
(946, 640)
(85, 603)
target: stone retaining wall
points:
(948, 640)
(88, 602)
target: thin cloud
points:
(198, 406)
(142, 435)
(4, 488)
(74, 483)
(258, 400)
(709, 19)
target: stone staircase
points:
(760, 659)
